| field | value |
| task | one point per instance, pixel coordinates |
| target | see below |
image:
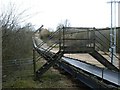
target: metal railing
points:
(76, 39)
(102, 44)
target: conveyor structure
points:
(91, 75)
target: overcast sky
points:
(81, 13)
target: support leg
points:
(34, 63)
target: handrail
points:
(101, 50)
(105, 43)
(49, 48)
(48, 54)
(102, 41)
(50, 37)
(108, 54)
(103, 35)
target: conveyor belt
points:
(111, 76)
(87, 73)
(108, 75)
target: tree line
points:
(16, 38)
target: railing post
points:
(88, 39)
(94, 38)
(59, 39)
(102, 74)
(63, 39)
(34, 63)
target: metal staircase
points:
(90, 41)
(103, 60)
(74, 40)
(102, 43)
(78, 40)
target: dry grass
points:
(24, 78)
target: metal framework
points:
(74, 40)
(113, 30)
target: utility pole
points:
(113, 31)
(119, 32)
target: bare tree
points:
(16, 38)
(10, 19)
(66, 23)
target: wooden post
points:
(34, 63)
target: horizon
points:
(93, 13)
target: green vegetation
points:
(24, 78)
(16, 37)
(17, 46)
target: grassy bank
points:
(23, 77)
